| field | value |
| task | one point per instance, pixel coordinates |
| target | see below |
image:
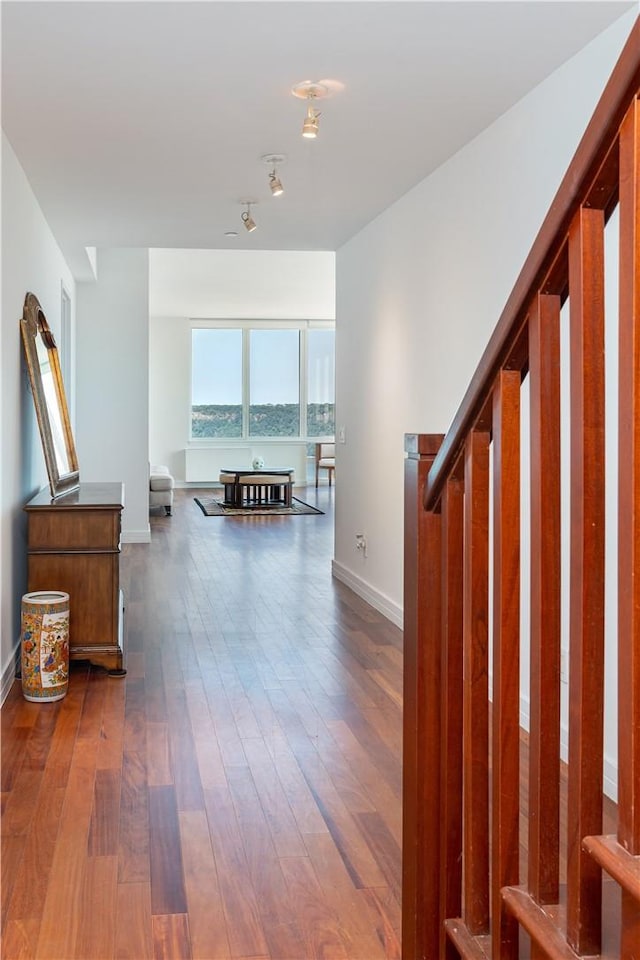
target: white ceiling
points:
(143, 123)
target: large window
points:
(321, 411)
(274, 383)
(216, 383)
(262, 381)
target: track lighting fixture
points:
(310, 91)
(311, 123)
(249, 223)
(275, 184)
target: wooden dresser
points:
(73, 544)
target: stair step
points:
(539, 925)
(618, 862)
(465, 943)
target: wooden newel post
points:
(421, 725)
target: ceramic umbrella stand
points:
(45, 645)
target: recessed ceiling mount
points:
(272, 158)
(310, 90)
(317, 89)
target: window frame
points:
(303, 327)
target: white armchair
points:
(161, 485)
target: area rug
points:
(211, 507)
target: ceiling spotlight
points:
(310, 90)
(276, 184)
(311, 123)
(272, 160)
(249, 223)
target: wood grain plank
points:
(96, 923)
(452, 508)
(90, 726)
(586, 664)
(167, 884)
(279, 816)
(629, 510)
(544, 695)
(26, 879)
(20, 939)
(387, 919)
(421, 695)
(244, 926)
(184, 759)
(171, 937)
(384, 849)
(207, 925)
(18, 811)
(505, 713)
(12, 854)
(277, 914)
(476, 668)
(344, 830)
(159, 769)
(135, 730)
(62, 905)
(300, 799)
(105, 815)
(133, 824)
(112, 733)
(348, 786)
(381, 795)
(348, 903)
(133, 922)
(320, 925)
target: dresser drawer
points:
(90, 530)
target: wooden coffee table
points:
(270, 487)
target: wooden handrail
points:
(502, 349)
(463, 893)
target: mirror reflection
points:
(43, 364)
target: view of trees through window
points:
(273, 390)
(321, 416)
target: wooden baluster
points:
(505, 716)
(544, 743)
(451, 756)
(629, 518)
(586, 667)
(475, 697)
(421, 712)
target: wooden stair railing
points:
(463, 895)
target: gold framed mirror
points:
(52, 413)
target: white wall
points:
(112, 410)
(420, 290)
(222, 285)
(31, 261)
(242, 284)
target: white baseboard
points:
(136, 536)
(610, 770)
(9, 673)
(377, 600)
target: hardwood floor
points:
(238, 794)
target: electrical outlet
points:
(361, 543)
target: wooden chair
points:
(325, 459)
